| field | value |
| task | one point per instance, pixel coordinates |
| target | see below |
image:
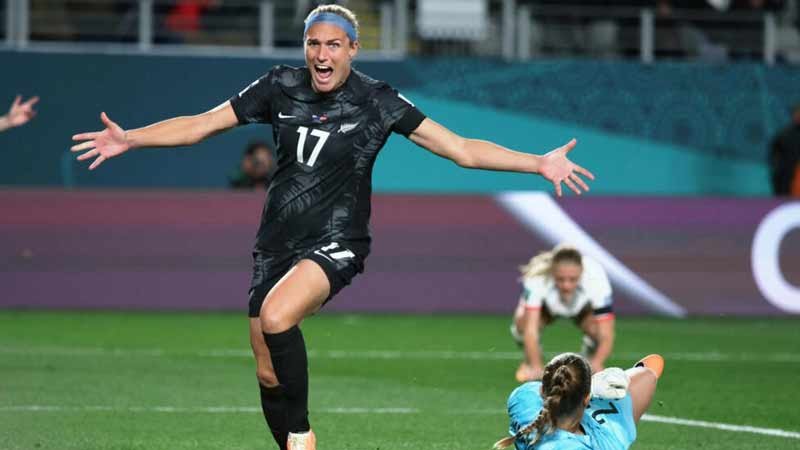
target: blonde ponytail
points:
(542, 263)
(538, 265)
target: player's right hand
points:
(21, 112)
(103, 145)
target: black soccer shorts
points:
(337, 260)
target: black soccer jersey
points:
(326, 145)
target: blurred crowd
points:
(217, 22)
(705, 29)
(714, 30)
(256, 167)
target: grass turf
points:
(121, 380)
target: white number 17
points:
(301, 144)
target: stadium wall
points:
(665, 129)
(171, 250)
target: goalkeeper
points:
(563, 283)
(572, 410)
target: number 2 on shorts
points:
(612, 410)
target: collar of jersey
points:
(353, 91)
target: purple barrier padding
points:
(191, 250)
(697, 251)
(129, 250)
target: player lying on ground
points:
(571, 409)
(563, 282)
(329, 122)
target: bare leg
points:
(588, 325)
(264, 371)
(297, 295)
(641, 388)
(519, 322)
(518, 332)
(590, 338)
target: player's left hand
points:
(102, 145)
(557, 168)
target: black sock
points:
(288, 352)
(275, 408)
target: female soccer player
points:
(329, 121)
(572, 410)
(563, 283)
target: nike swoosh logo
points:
(281, 116)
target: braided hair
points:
(566, 382)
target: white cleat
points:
(302, 441)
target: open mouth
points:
(323, 73)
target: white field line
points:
(721, 426)
(712, 356)
(253, 410)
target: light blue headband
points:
(334, 19)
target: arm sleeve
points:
(597, 287)
(254, 103)
(533, 293)
(397, 112)
(524, 405)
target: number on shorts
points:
(333, 251)
(612, 410)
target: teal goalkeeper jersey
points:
(608, 424)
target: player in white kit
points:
(563, 283)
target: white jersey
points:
(593, 290)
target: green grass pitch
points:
(121, 380)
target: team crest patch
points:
(346, 127)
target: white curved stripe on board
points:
(539, 213)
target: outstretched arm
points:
(477, 154)
(186, 130)
(19, 113)
(534, 368)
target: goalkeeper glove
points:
(611, 383)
